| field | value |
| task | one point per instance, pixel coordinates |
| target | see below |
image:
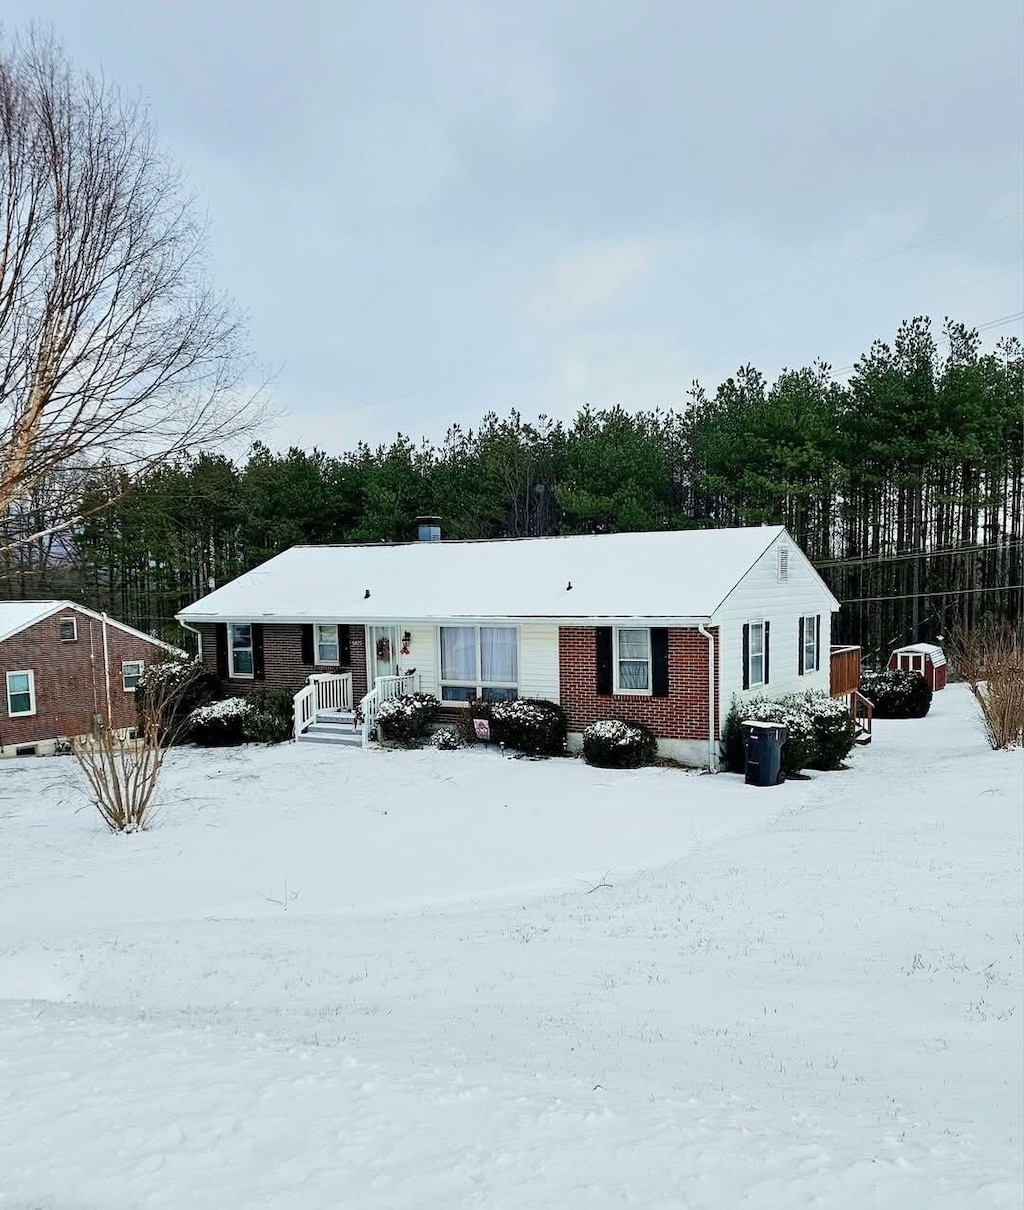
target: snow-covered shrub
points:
(405, 719)
(179, 685)
(897, 694)
(269, 717)
(218, 724)
(821, 732)
(530, 725)
(617, 744)
(446, 740)
(835, 732)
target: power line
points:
(870, 560)
(949, 592)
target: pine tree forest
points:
(903, 485)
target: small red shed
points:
(925, 658)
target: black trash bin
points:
(762, 743)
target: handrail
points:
(863, 719)
(322, 691)
(384, 688)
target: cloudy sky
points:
(433, 208)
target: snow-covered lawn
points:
(346, 979)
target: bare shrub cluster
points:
(990, 658)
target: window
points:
(479, 661)
(21, 693)
(131, 674)
(68, 630)
(240, 649)
(633, 661)
(810, 633)
(783, 564)
(755, 659)
(327, 651)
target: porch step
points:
(345, 717)
(332, 730)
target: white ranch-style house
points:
(665, 628)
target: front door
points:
(382, 653)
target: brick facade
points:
(70, 684)
(683, 714)
(282, 659)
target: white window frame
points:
(617, 688)
(751, 627)
(74, 629)
(782, 565)
(31, 693)
(810, 643)
(478, 686)
(125, 665)
(232, 671)
(318, 658)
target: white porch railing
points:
(384, 688)
(324, 691)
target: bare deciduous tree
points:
(113, 345)
(990, 658)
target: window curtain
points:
(634, 660)
(498, 655)
(458, 653)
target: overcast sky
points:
(431, 209)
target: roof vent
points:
(783, 564)
(428, 529)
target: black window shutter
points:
(259, 671)
(344, 647)
(221, 631)
(603, 648)
(746, 656)
(767, 648)
(308, 655)
(817, 642)
(659, 661)
(800, 649)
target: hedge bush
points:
(530, 725)
(269, 717)
(617, 744)
(218, 724)
(446, 740)
(264, 717)
(897, 694)
(404, 720)
(821, 731)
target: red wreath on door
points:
(384, 650)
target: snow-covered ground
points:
(344, 979)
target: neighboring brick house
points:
(59, 662)
(665, 628)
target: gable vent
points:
(783, 564)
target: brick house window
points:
(131, 674)
(21, 693)
(68, 630)
(479, 661)
(632, 661)
(240, 651)
(327, 649)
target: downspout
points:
(712, 737)
(106, 673)
(197, 633)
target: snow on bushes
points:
(404, 719)
(266, 716)
(530, 725)
(821, 730)
(617, 744)
(446, 740)
(181, 685)
(897, 693)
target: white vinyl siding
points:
(538, 662)
(21, 693)
(759, 596)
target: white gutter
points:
(712, 737)
(449, 620)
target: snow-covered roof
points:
(938, 656)
(676, 576)
(19, 615)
